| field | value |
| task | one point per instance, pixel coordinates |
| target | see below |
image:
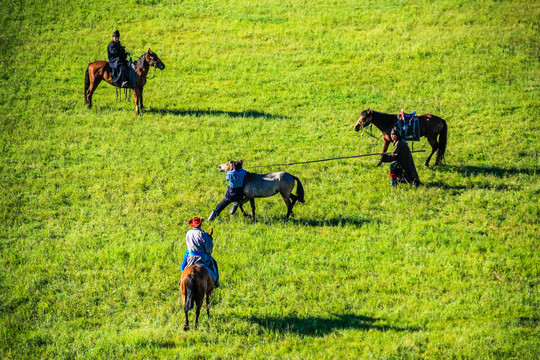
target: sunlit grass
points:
(95, 202)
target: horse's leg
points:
(252, 203)
(141, 100)
(241, 208)
(289, 205)
(197, 313)
(293, 199)
(186, 322)
(384, 148)
(208, 304)
(94, 82)
(136, 94)
(434, 146)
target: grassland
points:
(95, 203)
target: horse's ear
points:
(369, 110)
(149, 50)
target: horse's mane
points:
(140, 63)
(383, 119)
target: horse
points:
(431, 127)
(195, 285)
(261, 186)
(101, 70)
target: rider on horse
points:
(118, 61)
(199, 250)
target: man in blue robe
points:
(199, 250)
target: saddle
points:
(408, 126)
(129, 75)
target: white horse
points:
(260, 186)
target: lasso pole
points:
(336, 158)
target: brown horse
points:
(195, 284)
(431, 127)
(101, 70)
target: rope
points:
(336, 158)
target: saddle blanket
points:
(409, 126)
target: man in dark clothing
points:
(118, 61)
(402, 169)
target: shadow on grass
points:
(334, 222)
(339, 221)
(320, 326)
(483, 185)
(254, 114)
(467, 170)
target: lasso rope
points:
(336, 158)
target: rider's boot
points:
(213, 215)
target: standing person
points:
(199, 249)
(118, 60)
(235, 191)
(402, 168)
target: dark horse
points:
(431, 127)
(101, 70)
(195, 284)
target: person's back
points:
(199, 249)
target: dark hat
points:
(195, 222)
(394, 132)
(116, 33)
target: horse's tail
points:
(192, 292)
(443, 137)
(299, 190)
(86, 81)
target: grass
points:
(95, 203)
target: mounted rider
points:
(118, 61)
(402, 169)
(199, 249)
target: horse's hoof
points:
(186, 328)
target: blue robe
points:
(199, 252)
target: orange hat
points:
(195, 222)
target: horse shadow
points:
(458, 188)
(467, 170)
(321, 326)
(253, 114)
(333, 222)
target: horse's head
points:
(364, 120)
(228, 166)
(231, 165)
(154, 60)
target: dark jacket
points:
(402, 155)
(117, 59)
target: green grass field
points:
(95, 203)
